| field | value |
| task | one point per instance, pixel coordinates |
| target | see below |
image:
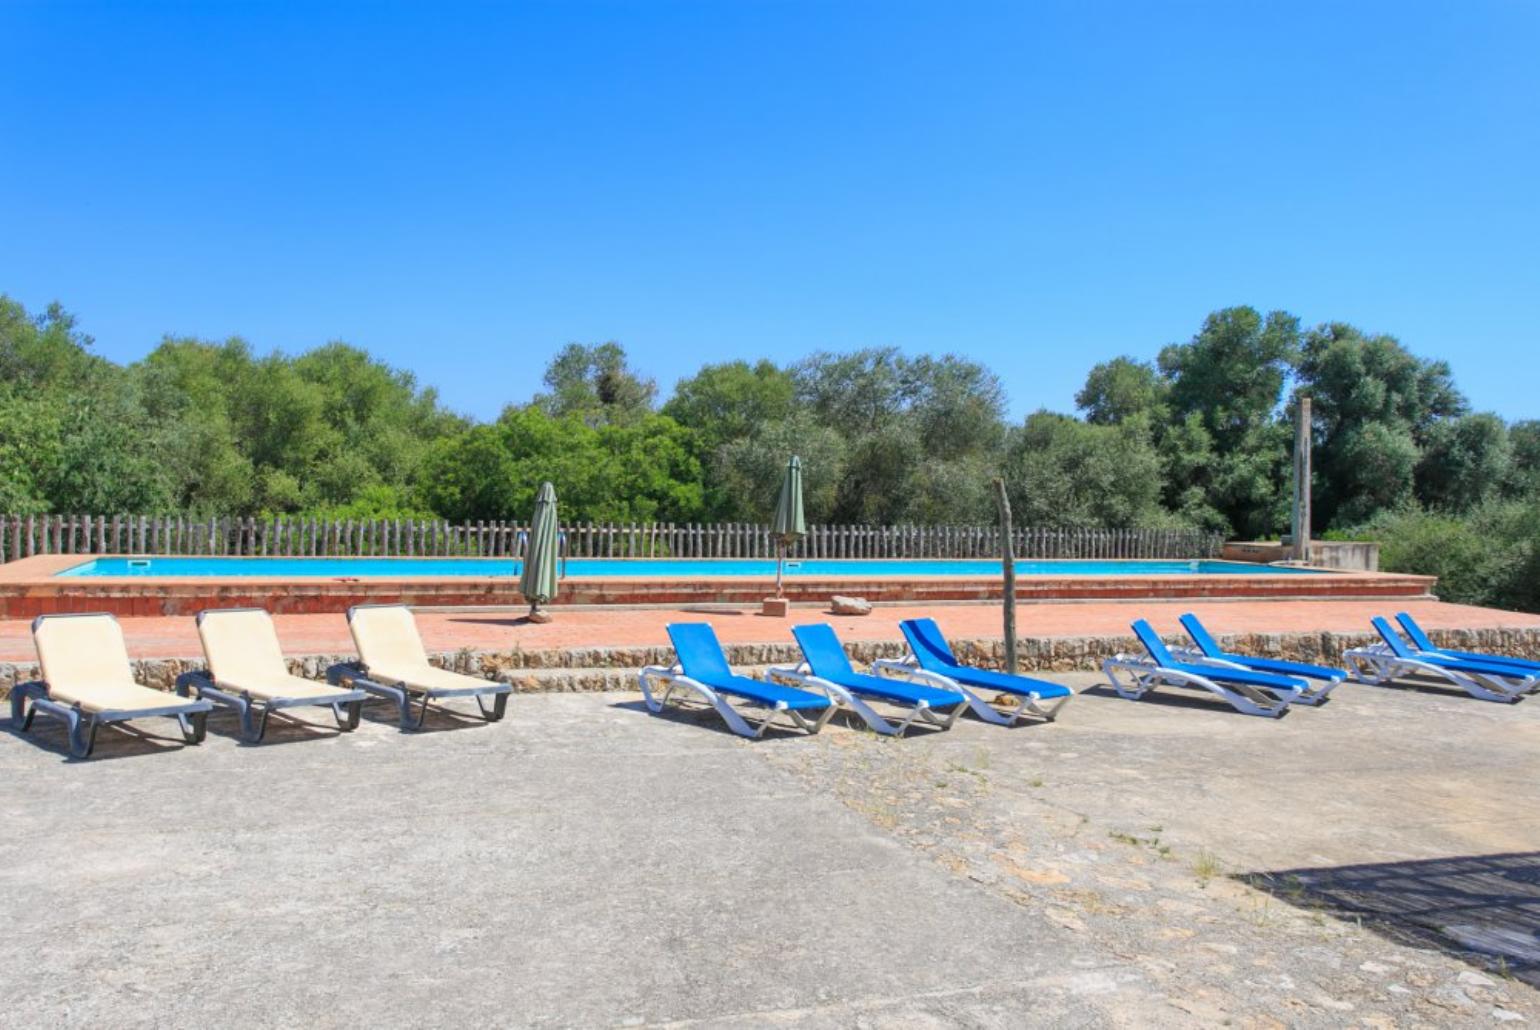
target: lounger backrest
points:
(80, 652)
(1152, 643)
(1414, 632)
(386, 636)
(821, 647)
(1200, 636)
(240, 643)
(700, 655)
(1391, 637)
(928, 644)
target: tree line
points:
(1200, 437)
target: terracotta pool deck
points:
(502, 630)
(32, 586)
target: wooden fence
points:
(22, 536)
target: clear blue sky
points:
(463, 189)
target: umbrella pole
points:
(780, 562)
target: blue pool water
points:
(439, 568)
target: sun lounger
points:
(702, 670)
(1420, 642)
(1209, 652)
(1392, 659)
(1252, 693)
(394, 665)
(88, 681)
(246, 672)
(930, 660)
(825, 668)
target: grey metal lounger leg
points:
(347, 715)
(499, 706)
(253, 717)
(352, 674)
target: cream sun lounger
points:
(87, 681)
(247, 673)
(394, 665)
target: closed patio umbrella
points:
(538, 580)
(789, 524)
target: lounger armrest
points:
(904, 668)
(1192, 656)
(793, 673)
(21, 693)
(797, 675)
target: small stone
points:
(1065, 918)
(1507, 1016)
(1374, 967)
(1475, 979)
(839, 604)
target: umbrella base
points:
(775, 606)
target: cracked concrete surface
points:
(583, 863)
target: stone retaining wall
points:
(614, 668)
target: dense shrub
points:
(1490, 556)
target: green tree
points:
(597, 384)
(1065, 472)
(1374, 405)
(1232, 373)
(727, 402)
(747, 471)
(1464, 462)
(1121, 389)
(1524, 468)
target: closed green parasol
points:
(538, 580)
(789, 524)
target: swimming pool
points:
(644, 568)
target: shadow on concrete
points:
(113, 740)
(1420, 685)
(438, 719)
(282, 728)
(692, 713)
(1174, 697)
(1482, 908)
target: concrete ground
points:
(583, 863)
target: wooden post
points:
(1008, 561)
(1301, 525)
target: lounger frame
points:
(1029, 704)
(1316, 690)
(1143, 675)
(1425, 647)
(801, 675)
(1376, 664)
(253, 711)
(27, 699)
(400, 693)
(1390, 659)
(671, 679)
(1312, 696)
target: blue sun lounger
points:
(1249, 692)
(1420, 642)
(703, 671)
(1392, 659)
(826, 668)
(931, 661)
(1209, 651)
